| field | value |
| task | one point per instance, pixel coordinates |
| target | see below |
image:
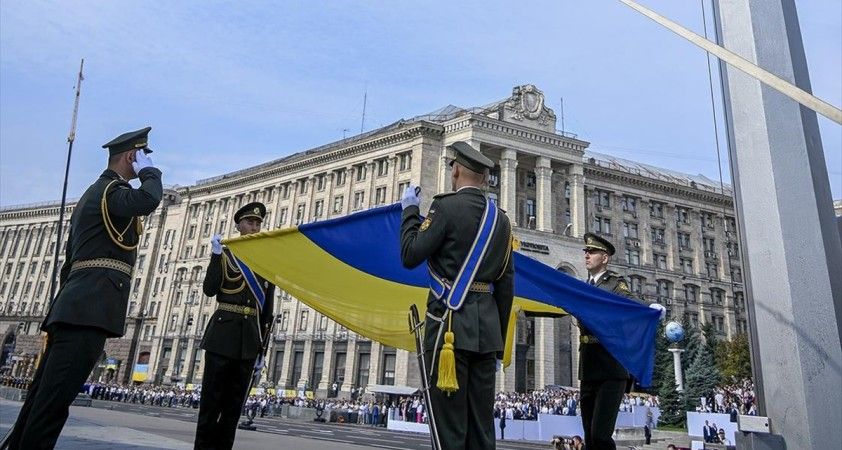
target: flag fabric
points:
(350, 270)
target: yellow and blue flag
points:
(350, 270)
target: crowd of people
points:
(15, 382)
(734, 399)
(561, 402)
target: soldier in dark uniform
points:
(465, 418)
(604, 380)
(105, 229)
(233, 338)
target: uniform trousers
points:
(72, 351)
(600, 403)
(224, 384)
(465, 418)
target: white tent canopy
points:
(387, 389)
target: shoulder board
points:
(443, 195)
(611, 273)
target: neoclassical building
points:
(674, 233)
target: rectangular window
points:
(530, 179)
(320, 183)
(388, 377)
(323, 321)
(630, 230)
(684, 241)
(682, 215)
(633, 257)
(302, 186)
(341, 177)
(337, 204)
(530, 207)
(316, 369)
(284, 320)
(602, 225)
(686, 265)
(192, 232)
(603, 199)
(405, 161)
(656, 210)
(302, 320)
(660, 260)
(709, 245)
(711, 269)
(361, 171)
(339, 367)
(382, 167)
(299, 214)
(708, 221)
(319, 208)
(282, 217)
(363, 366)
(359, 199)
(206, 229)
(285, 191)
(629, 204)
(297, 366)
(658, 235)
(187, 252)
(380, 195)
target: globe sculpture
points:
(674, 332)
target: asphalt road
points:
(111, 425)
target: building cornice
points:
(403, 134)
(670, 189)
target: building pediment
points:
(526, 107)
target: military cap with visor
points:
(470, 158)
(254, 210)
(133, 140)
(596, 242)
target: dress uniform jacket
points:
(231, 334)
(595, 363)
(98, 297)
(444, 240)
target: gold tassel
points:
(447, 361)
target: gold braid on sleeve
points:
(227, 264)
(117, 236)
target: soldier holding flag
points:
(466, 242)
(233, 339)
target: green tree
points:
(671, 402)
(733, 358)
(663, 361)
(701, 377)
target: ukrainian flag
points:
(350, 270)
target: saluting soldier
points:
(467, 244)
(105, 229)
(233, 339)
(603, 379)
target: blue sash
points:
(251, 281)
(454, 295)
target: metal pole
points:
(70, 139)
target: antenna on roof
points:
(562, 116)
(365, 99)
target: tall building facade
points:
(674, 233)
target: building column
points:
(575, 333)
(327, 369)
(286, 366)
(546, 348)
(376, 361)
(350, 361)
(508, 184)
(444, 170)
(544, 188)
(304, 381)
(577, 200)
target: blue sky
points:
(229, 84)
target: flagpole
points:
(4, 441)
(70, 139)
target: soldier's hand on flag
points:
(216, 244)
(660, 308)
(411, 196)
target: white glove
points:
(258, 365)
(660, 308)
(142, 161)
(216, 244)
(411, 196)
(499, 365)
